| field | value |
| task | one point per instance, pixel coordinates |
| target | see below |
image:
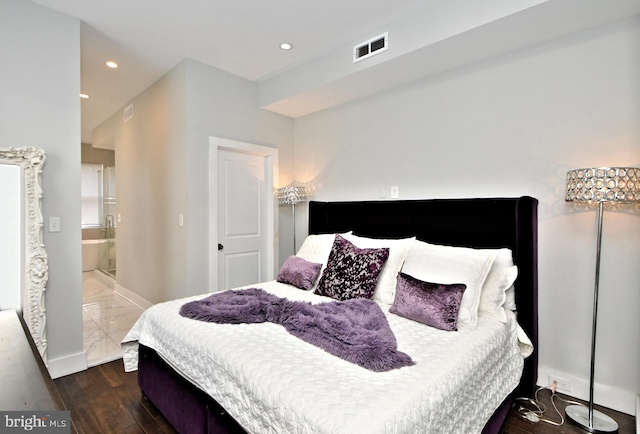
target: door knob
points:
(220, 246)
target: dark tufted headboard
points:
(478, 223)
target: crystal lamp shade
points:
(603, 184)
(291, 195)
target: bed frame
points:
(477, 223)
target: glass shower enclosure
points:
(107, 254)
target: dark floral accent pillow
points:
(299, 272)
(351, 272)
(433, 304)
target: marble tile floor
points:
(107, 318)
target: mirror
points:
(27, 253)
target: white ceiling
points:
(149, 37)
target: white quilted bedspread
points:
(272, 382)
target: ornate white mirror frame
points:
(35, 270)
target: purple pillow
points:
(299, 272)
(351, 272)
(433, 304)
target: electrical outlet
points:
(562, 384)
(395, 193)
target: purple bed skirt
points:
(186, 407)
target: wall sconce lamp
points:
(601, 185)
(292, 196)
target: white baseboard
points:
(132, 297)
(604, 395)
(67, 365)
(107, 280)
(124, 292)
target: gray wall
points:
(151, 185)
(507, 127)
(223, 105)
(39, 84)
(162, 156)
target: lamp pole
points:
(600, 184)
(292, 196)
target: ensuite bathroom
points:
(99, 218)
(107, 315)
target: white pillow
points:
(316, 248)
(385, 291)
(494, 292)
(493, 296)
(510, 299)
(447, 265)
(504, 259)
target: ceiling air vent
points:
(371, 47)
(128, 112)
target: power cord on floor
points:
(536, 411)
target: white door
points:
(242, 219)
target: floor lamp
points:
(292, 196)
(599, 185)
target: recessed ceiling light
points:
(112, 64)
(84, 95)
(285, 46)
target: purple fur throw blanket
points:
(355, 330)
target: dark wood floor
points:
(516, 425)
(105, 399)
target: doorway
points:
(107, 244)
(242, 217)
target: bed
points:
(262, 380)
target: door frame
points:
(270, 156)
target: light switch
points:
(54, 224)
(119, 218)
(180, 220)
